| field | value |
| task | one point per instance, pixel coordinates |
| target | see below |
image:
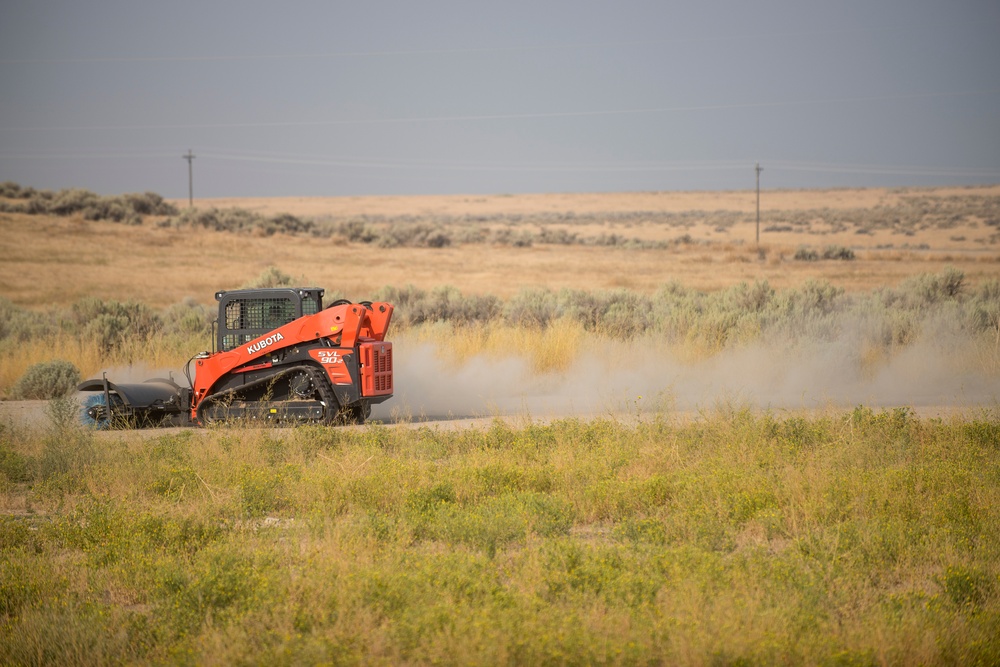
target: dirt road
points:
(34, 414)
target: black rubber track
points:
(319, 381)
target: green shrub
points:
(224, 220)
(241, 221)
(746, 298)
(419, 236)
(286, 223)
(814, 296)
(63, 413)
(67, 448)
(111, 323)
(187, 318)
(357, 231)
(127, 209)
(442, 304)
(8, 207)
(624, 315)
(12, 190)
(557, 236)
(984, 308)
(532, 307)
(149, 203)
(14, 467)
(270, 277)
(929, 288)
(838, 252)
(448, 304)
(21, 325)
(45, 380)
(70, 201)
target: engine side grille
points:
(376, 374)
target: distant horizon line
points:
(830, 188)
(966, 186)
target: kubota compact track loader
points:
(278, 356)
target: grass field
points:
(54, 261)
(857, 538)
(649, 491)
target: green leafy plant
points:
(46, 380)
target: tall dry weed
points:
(548, 349)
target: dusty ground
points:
(56, 261)
(32, 414)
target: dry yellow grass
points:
(599, 202)
(552, 349)
(137, 360)
(53, 261)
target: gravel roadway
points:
(33, 414)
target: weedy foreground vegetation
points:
(856, 538)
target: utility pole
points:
(758, 169)
(190, 158)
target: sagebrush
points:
(46, 380)
(700, 323)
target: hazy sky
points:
(441, 97)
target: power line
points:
(508, 116)
(424, 163)
(403, 163)
(451, 51)
(837, 168)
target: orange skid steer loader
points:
(278, 356)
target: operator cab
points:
(248, 314)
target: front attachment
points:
(155, 402)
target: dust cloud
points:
(140, 372)
(945, 368)
(620, 378)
